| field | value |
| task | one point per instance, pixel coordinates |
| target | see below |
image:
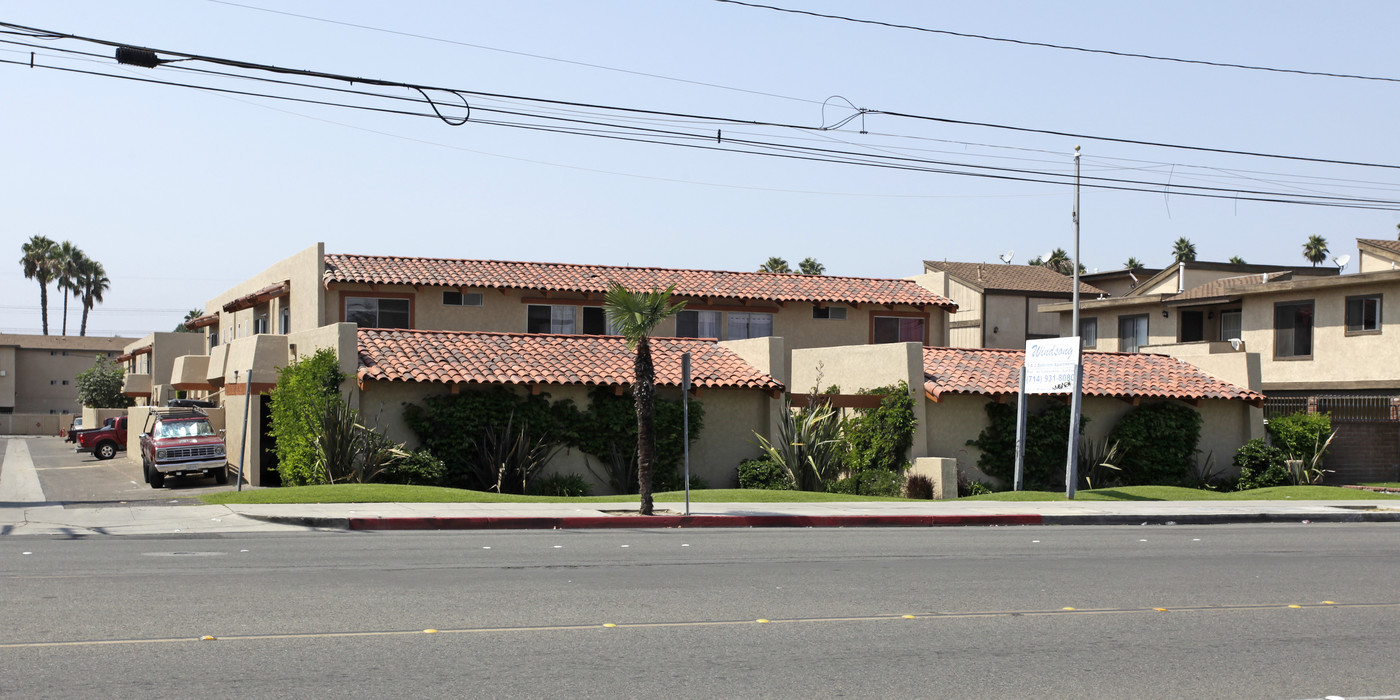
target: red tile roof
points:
(437, 272)
(1013, 278)
(1117, 374)
(451, 357)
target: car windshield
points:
(184, 428)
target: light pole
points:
(1075, 399)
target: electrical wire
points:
(1059, 47)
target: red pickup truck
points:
(180, 442)
(104, 442)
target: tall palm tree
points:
(1132, 265)
(92, 284)
(810, 266)
(635, 315)
(1183, 250)
(775, 264)
(190, 315)
(37, 260)
(1059, 262)
(1315, 250)
(67, 259)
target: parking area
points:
(79, 480)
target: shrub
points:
(1301, 436)
(880, 438)
(1047, 445)
(419, 468)
(967, 486)
(764, 473)
(1159, 443)
(100, 386)
(508, 458)
(918, 486)
(561, 486)
(872, 482)
(1261, 466)
(809, 446)
(347, 451)
(304, 390)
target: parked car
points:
(71, 435)
(104, 442)
(180, 442)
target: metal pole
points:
(243, 439)
(685, 423)
(1075, 405)
(1020, 433)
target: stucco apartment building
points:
(38, 379)
(1307, 338)
(998, 305)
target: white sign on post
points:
(1050, 365)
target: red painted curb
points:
(681, 521)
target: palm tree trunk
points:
(44, 304)
(87, 304)
(65, 311)
(644, 394)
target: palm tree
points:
(1183, 250)
(775, 264)
(635, 315)
(92, 283)
(67, 259)
(38, 265)
(810, 266)
(1315, 250)
(190, 315)
(1237, 260)
(1132, 265)
(1059, 262)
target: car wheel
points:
(145, 470)
(106, 450)
(157, 479)
(221, 476)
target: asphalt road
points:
(524, 615)
(80, 480)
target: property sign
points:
(1050, 365)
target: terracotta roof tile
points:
(451, 357)
(438, 272)
(1123, 375)
(1013, 278)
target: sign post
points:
(685, 422)
(1052, 367)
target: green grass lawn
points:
(391, 493)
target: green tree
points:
(1132, 265)
(635, 315)
(92, 284)
(810, 266)
(306, 391)
(1237, 260)
(1058, 261)
(67, 260)
(190, 315)
(37, 260)
(1315, 250)
(775, 264)
(100, 386)
(1183, 250)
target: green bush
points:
(1261, 466)
(967, 486)
(305, 390)
(809, 446)
(872, 482)
(1301, 435)
(765, 474)
(419, 468)
(1159, 444)
(1047, 445)
(561, 486)
(880, 438)
(100, 386)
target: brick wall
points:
(1364, 452)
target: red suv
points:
(180, 442)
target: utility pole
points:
(1075, 396)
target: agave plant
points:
(350, 452)
(1309, 471)
(808, 447)
(1096, 459)
(510, 459)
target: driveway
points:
(79, 480)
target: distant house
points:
(38, 379)
(998, 304)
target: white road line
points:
(19, 483)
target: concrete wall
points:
(1339, 358)
(854, 368)
(31, 423)
(306, 298)
(1004, 325)
(963, 328)
(1376, 261)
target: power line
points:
(1060, 47)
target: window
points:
(566, 319)
(1191, 326)
(65, 353)
(1363, 315)
(369, 312)
(898, 329)
(697, 324)
(285, 326)
(213, 340)
(1132, 332)
(835, 313)
(460, 299)
(65, 382)
(749, 325)
(1230, 324)
(260, 324)
(1089, 333)
(53, 382)
(1293, 329)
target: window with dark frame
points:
(460, 299)
(697, 323)
(898, 329)
(1231, 324)
(1132, 332)
(1088, 333)
(1293, 329)
(370, 312)
(834, 313)
(566, 319)
(1364, 314)
(1191, 326)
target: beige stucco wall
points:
(38, 374)
(1160, 330)
(961, 329)
(1005, 323)
(1377, 261)
(854, 368)
(1338, 359)
(32, 423)
(306, 298)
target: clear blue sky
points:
(182, 193)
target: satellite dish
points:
(1007, 256)
(1342, 261)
